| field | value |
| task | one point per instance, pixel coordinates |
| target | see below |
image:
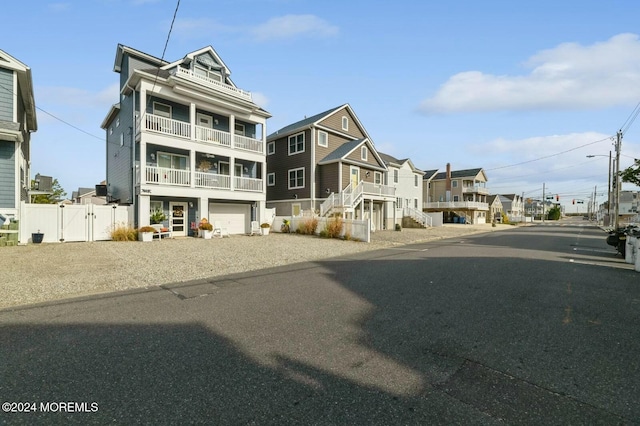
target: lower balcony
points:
(207, 180)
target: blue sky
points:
(486, 84)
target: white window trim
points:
(454, 183)
(326, 138)
(296, 144)
(377, 178)
(363, 153)
(416, 181)
(207, 117)
(121, 139)
(345, 123)
(289, 178)
(396, 176)
(271, 179)
(271, 148)
(162, 113)
(159, 153)
(118, 122)
(239, 132)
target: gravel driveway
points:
(44, 272)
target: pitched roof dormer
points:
(344, 151)
(25, 87)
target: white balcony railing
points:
(211, 83)
(212, 180)
(167, 176)
(475, 189)
(247, 184)
(463, 205)
(204, 134)
(248, 144)
(167, 126)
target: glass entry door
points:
(178, 219)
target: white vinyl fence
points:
(72, 222)
(357, 229)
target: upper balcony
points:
(188, 131)
(210, 83)
(475, 189)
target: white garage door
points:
(235, 217)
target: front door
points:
(355, 176)
(178, 219)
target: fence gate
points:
(71, 222)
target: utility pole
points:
(617, 180)
(609, 194)
(544, 202)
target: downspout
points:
(312, 187)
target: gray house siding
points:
(6, 97)
(119, 172)
(281, 162)
(7, 175)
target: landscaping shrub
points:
(334, 227)
(124, 233)
(308, 227)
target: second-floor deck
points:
(190, 131)
(192, 178)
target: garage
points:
(235, 217)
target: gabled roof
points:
(492, 198)
(459, 174)
(509, 196)
(347, 148)
(121, 49)
(430, 174)
(190, 57)
(392, 161)
(25, 82)
(314, 120)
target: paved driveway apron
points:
(535, 325)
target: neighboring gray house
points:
(17, 122)
(185, 140)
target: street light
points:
(608, 186)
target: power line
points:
(629, 121)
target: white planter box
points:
(145, 237)
(205, 234)
(265, 231)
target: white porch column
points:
(144, 207)
(192, 120)
(203, 209)
(232, 130)
(192, 167)
(232, 172)
(143, 161)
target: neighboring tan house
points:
(88, 196)
(185, 140)
(513, 207)
(17, 122)
(461, 195)
(427, 193)
(328, 164)
(495, 209)
(628, 209)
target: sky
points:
(525, 90)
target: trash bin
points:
(455, 219)
(463, 220)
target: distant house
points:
(461, 195)
(88, 196)
(495, 208)
(185, 140)
(513, 205)
(17, 122)
(328, 164)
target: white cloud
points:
(568, 76)
(73, 96)
(292, 26)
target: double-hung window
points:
(296, 178)
(296, 143)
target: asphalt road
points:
(536, 325)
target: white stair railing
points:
(418, 216)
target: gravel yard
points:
(44, 272)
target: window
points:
(415, 203)
(454, 184)
(271, 148)
(110, 130)
(323, 138)
(377, 178)
(271, 179)
(239, 129)
(163, 110)
(118, 122)
(415, 181)
(363, 153)
(345, 123)
(155, 206)
(296, 178)
(456, 198)
(172, 161)
(121, 139)
(395, 176)
(399, 202)
(204, 120)
(207, 73)
(296, 143)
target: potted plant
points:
(286, 225)
(206, 229)
(37, 237)
(145, 234)
(157, 216)
(265, 228)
